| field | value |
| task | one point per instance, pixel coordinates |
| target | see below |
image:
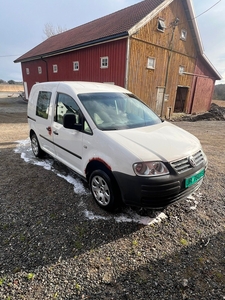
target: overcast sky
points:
(22, 24)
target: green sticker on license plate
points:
(195, 178)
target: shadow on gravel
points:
(201, 274)
(42, 220)
(192, 272)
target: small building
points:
(153, 48)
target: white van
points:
(115, 142)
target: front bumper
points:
(155, 192)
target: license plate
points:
(195, 178)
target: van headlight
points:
(150, 168)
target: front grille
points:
(162, 202)
(183, 165)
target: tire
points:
(38, 152)
(104, 190)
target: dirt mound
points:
(216, 113)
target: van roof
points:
(83, 86)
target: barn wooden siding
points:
(203, 88)
(89, 65)
(150, 42)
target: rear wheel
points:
(38, 152)
(104, 190)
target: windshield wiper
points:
(110, 129)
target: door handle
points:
(55, 132)
(49, 129)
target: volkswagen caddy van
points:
(115, 142)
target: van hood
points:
(164, 141)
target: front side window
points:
(104, 62)
(43, 103)
(66, 104)
(114, 111)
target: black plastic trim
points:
(31, 118)
(156, 192)
(72, 153)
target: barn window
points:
(55, 69)
(151, 63)
(183, 35)
(27, 71)
(104, 62)
(76, 65)
(181, 70)
(161, 25)
(39, 70)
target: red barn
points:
(152, 48)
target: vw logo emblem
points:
(192, 161)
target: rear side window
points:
(43, 102)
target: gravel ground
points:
(57, 244)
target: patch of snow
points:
(128, 216)
(192, 200)
(24, 148)
(91, 216)
(134, 217)
(77, 184)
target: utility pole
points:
(174, 24)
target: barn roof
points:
(120, 24)
(109, 27)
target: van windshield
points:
(114, 111)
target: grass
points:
(135, 243)
(78, 245)
(184, 242)
(2, 280)
(30, 276)
(77, 287)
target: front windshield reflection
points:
(114, 111)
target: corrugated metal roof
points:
(108, 27)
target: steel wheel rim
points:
(34, 145)
(100, 190)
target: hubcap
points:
(100, 190)
(34, 145)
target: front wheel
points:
(38, 152)
(104, 190)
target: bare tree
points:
(50, 30)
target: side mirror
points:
(69, 121)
